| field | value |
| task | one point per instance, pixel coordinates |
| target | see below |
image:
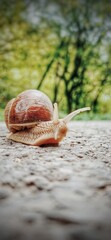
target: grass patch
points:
(93, 116)
(1, 114)
(87, 116)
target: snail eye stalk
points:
(74, 113)
(55, 114)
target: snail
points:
(32, 119)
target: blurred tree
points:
(83, 29)
(67, 42)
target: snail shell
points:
(31, 119)
(27, 109)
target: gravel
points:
(57, 192)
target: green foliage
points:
(1, 114)
(61, 48)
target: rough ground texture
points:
(62, 192)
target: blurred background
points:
(62, 48)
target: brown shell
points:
(7, 113)
(30, 106)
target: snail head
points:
(60, 125)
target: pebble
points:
(3, 194)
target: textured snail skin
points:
(43, 133)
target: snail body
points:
(31, 119)
(42, 133)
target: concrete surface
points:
(61, 192)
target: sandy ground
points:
(62, 192)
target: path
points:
(52, 193)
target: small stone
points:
(29, 217)
(7, 154)
(3, 194)
(79, 155)
(24, 155)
